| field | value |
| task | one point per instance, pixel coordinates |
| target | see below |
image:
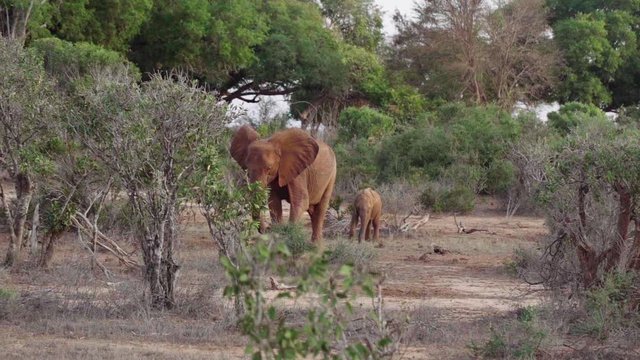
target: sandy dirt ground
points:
(467, 284)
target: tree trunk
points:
(170, 268)
(46, 254)
(622, 228)
(634, 258)
(588, 265)
(33, 237)
(161, 269)
(24, 190)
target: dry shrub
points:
(360, 255)
(399, 199)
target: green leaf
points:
(346, 270)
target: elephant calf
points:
(367, 207)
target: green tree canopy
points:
(359, 21)
(110, 23)
(599, 40)
(242, 48)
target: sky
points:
(389, 7)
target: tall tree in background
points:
(109, 23)
(462, 49)
(244, 48)
(599, 41)
(443, 43)
(19, 17)
(522, 59)
(28, 108)
(359, 24)
(359, 21)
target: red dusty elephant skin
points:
(296, 168)
(367, 207)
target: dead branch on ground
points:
(82, 223)
(462, 229)
(275, 285)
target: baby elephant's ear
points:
(240, 144)
(298, 150)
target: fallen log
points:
(275, 285)
(462, 229)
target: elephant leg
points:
(364, 224)
(376, 228)
(319, 213)
(367, 235)
(299, 200)
(354, 223)
(275, 209)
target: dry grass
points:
(72, 311)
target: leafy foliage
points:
(610, 306)
(110, 23)
(71, 62)
(599, 40)
(363, 123)
(358, 21)
(294, 236)
(520, 339)
(571, 115)
(324, 331)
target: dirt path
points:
(449, 295)
(50, 347)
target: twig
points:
(275, 285)
(85, 225)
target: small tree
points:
(591, 192)
(27, 111)
(148, 135)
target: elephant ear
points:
(240, 144)
(298, 150)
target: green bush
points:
(469, 176)
(68, 61)
(322, 334)
(406, 104)
(363, 123)
(356, 165)
(430, 198)
(358, 255)
(518, 339)
(482, 134)
(7, 294)
(571, 115)
(294, 236)
(459, 199)
(425, 151)
(608, 306)
(440, 199)
(501, 175)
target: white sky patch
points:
(389, 7)
(541, 110)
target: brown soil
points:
(467, 283)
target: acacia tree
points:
(464, 49)
(591, 193)
(148, 135)
(521, 56)
(28, 108)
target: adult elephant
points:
(296, 168)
